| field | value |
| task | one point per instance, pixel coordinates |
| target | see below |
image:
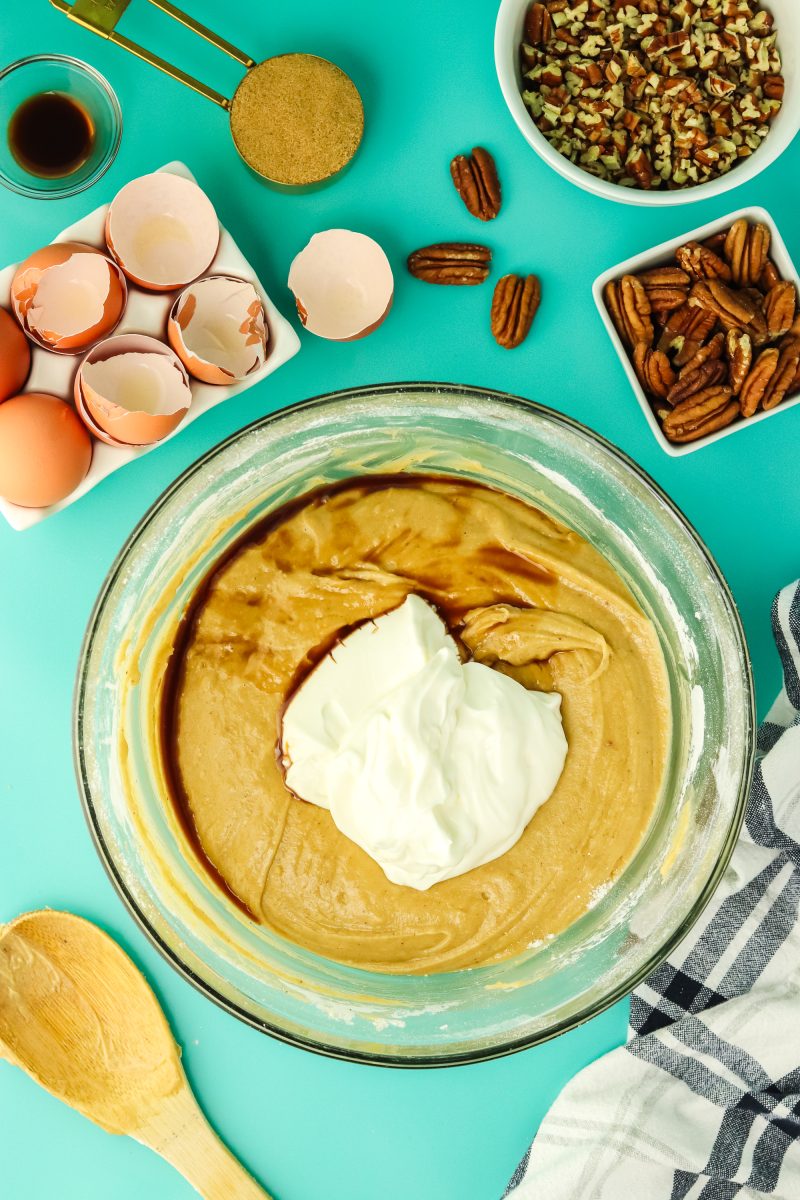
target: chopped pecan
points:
(702, 414)
(649, 93)
(538, 25)
(732, 307)
(780, 306)
(702, 263)
(451, 263)
(640, 168)
(514, 305)
(773, 87)
(476, 181)
(746, 249)
(654, 370)
(757, 381)
(739, 351)
(782, 380)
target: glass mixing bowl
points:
(462, 1016)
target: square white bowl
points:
(661, 256)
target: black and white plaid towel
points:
(704, 1100)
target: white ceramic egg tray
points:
(146, 312)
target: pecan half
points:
(716, 243)
(783, 378)
(746, 249)
(514, 305)
(700, 415)
(705, 354)
(757, 327)
(451, 263)
(630, 310)
(476, 181)
(538, 25)
(780, 306)
(664, 277)
(667, 289)
(757, 381)
(692, 382)
(685, 332)
(654, 370)
(739, 351)
(732, 307)
(702, 263)
(769, 276)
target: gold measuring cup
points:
(296, 119)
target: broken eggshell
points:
(162, 230)
(342, 284)
(68, 296)
(218, 329)
(134, 389)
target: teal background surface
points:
(305, 1125)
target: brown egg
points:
(68, 296)
(45, 451)
(15, 356)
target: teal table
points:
(307, 1126)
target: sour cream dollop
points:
(431, 765)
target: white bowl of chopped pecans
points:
(652, 102)
(707, 328)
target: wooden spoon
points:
(77, 1015)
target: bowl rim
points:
(441, 1059)
(101, 83)
(507, 15)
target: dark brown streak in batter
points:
(173, 676)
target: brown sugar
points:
(297, 119)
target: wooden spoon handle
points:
(180, 1134)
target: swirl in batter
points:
(524, 595)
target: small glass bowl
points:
(58, 73)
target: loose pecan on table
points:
(514, 304)
(461, 263)
(477, 183)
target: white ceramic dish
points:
(146, 313)
(507, 39)
(660, 255)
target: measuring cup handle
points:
(102, 20)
